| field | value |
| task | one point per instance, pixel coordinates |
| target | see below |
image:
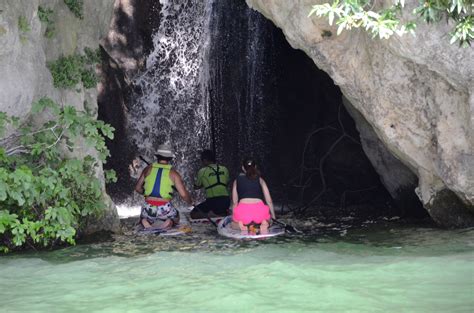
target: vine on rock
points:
(44, 196)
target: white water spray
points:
(172, 105)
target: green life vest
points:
(214, 179)
(158, 182)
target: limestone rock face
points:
(416, 93)
(24, 76)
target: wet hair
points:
(162, 158)
(208, 155)
(250, 168)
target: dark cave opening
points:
(316, 154)
(270, 101)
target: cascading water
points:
(222, 76)
(204, 85)
(241, 80)
(171, 103)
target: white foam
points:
(125, 211)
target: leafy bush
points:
(69, 71)
(45, 16)
(76, 7)
(43, 195)
(387, 21)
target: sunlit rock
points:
(415, 92)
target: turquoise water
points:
(381, 268)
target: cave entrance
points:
(271, 102)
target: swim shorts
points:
(218, 205)
(251, 212)
(153, 213)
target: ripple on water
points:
(385, 268)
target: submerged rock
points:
(416, 93)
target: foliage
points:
(68, 71)
(43, 195)
(23, 27)
(387, 21)
(45, 16)
(76, 7)
(23, 24)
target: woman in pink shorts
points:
(248, 193)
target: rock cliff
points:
(415, 93)
(25, 51)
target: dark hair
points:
(250, 168)
(208, 155)
(162, 158)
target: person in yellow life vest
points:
(156, 183)
(214, 178)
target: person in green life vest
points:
(156, 183)
(213, 178)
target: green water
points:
(382, 268)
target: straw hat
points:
(165, 151)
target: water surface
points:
(373, 268)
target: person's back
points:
(213, 178)
(249, 194)
(249, 188)
(157, 183)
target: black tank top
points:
(249, 188)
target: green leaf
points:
(110, 176)
(3, 191)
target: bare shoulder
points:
(147, 170)
(174, 174)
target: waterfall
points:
(206, 84)
(222, 76)
(242, 90)
(171, 102)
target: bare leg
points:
(167, 224)
(175, 220)
(145, 223)
(264, 227)
(163, 225)
(243, 228)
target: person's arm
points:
(141, 180)
(268, 198)
(178, 182)
(235, 196)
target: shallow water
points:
(387, 267)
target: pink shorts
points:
(251, 212)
